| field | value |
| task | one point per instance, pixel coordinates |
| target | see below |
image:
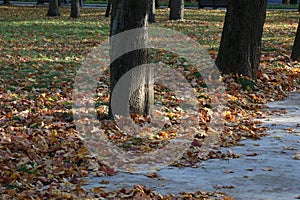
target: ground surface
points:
(41, 155)
(269, 168)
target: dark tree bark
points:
(107, 12)
(152, 11)
(199, 4)
(157, 4)
(239, 51)
(296, 47)
(176, 9)
(53, 8)
(127, 15)
(75, 10)
(6, 2)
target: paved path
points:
(269, 169)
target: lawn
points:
(40, 153)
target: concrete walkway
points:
(269, 168)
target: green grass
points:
(39, 53)
(42, 52)
(283, 6)
(39, 59)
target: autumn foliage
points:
(41, 156)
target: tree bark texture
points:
(75, 9)
(127, 15)
(108, 8)
(6, 2)
(293, 1)
(176, 9)
(157, 4)
(239, 51)
(152, 11)
(53, 8)
(296, 47)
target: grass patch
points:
(39, 59)
(42, 52)
(283, 6)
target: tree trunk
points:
(107, 12)
(239, 51)
(6, 2)
(75, 10)
(296, 47)
(199, 4)
(157, 4)
(53, 8)
(176, 9)
(127, 15)
(64, 2)
(152, 11)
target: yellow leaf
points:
(97, 190)
(31, 79)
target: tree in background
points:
(53, 8)
(157, 4)
(6, 2)
(289, 1)
(296, 47)
(152, 11)
(239, 51)
(176, 9)
(127, 15)
(293, 1)
(108, 7)
(75, 10)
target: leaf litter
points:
(41, 156)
